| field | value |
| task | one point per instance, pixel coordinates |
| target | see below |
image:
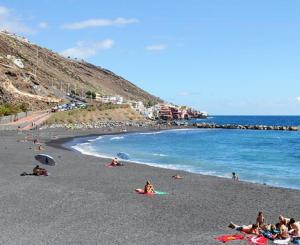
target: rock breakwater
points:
(247, 127)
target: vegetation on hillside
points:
(10, 109)
(104, 112)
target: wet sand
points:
(84, 202)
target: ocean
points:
(266, 157)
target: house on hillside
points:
(137, 106)
(165, 112)
(114, 99)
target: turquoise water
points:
(271, 157)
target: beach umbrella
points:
(45, 159)
(123, 155)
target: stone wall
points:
(11, 118)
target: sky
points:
(226, 57)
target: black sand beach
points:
(83, 202)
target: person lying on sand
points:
(295, 228)
(148, 189)
(260, 220)
(249, 229)
(177, 176)
(37, 170)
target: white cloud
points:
(99, 23)
(43, 25)
(156, 47)
(84, 50)
(298, 98)
(184, 93)
(12, 23)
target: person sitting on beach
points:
(37, 170)
(234, 176)
(283, 220)
(295, 231)
(260, 220)
(177, 176)
(115, 162)
(149, 189)
(40, 148)
(249, 229)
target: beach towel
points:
(141, 191)
(282, 241)
(257, 240)
(229, 238)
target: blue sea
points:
(266, 157)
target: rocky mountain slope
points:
(41, 77)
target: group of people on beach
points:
(286, 228)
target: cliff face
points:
(40, 77)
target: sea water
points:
(266, 157)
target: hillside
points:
(40, 77)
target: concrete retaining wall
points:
(11, 118)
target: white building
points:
(114, 99)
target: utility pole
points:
(68, 88)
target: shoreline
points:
(60, 144)
(84, 202)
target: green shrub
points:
(10, 109)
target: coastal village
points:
(160, 111)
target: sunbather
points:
(37, 170)
(148, 189)
(295, 228)
(283, 220)
(260, 220)
(115, 162)
(177, 176)
(249, 229)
